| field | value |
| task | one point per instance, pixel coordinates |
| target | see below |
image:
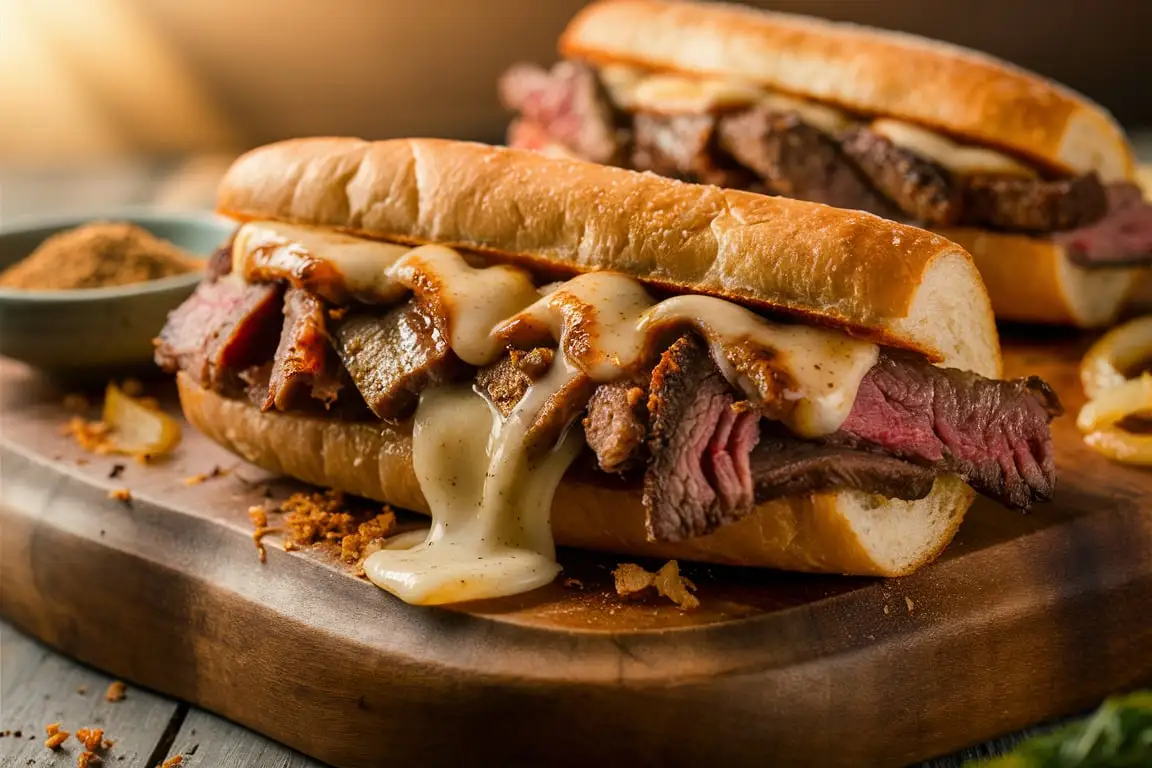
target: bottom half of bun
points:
(1033, 280)
(846, 532)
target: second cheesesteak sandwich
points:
(1036, 181)
(535, 350)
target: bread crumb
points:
(886, 611)
(573, 583)
(354, 547)
(87, 759)
(120, 494)
(76, 403)
(258, 516)
(173, 761)
(56, 737)
(909, 603)
(217, 471)
(92, 436)
(631, 580)
(116, 691)
(82, 689)
(107, 744)
(90, 738)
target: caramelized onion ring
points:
(1112, 396)
(1121, 349)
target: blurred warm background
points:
(97, 95)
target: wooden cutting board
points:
(1025, 617)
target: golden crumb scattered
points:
(120, 494)
(631, 580)
(87, 759)
(337, 313)
(886, 611)
(132, 387)
(573, 583)
(314, 518)
(56, 737)
(92, 436)
(909, 603)
(91, 738)
(116, 691)
(258, 516)
(217, 471)
(82, 689)
(52, 729)
(76, 403)
(354, 546)
(107, 744)
(173, 761)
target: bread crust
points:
(1032, 280)
(958, 91)
(845, 269)
(828, 532)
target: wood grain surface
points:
(1024, 618)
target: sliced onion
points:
(1131, 398)
(138, 429)
(1122, 446)
(1121, 349)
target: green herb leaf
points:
(1119, 735)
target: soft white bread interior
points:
(1032, 280)
(960, 92)
(847, 532)
(871, 277)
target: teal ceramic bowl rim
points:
(136, 215)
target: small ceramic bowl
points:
(93, 332)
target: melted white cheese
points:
(270, 250)
(666, 93)
(825, 367)
(490, 497)
(821, 116)
(473, 299)
(958, 158)
(491, 503)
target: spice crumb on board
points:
(117, 690)
(87, 759)
(315, 518)
(909, 603)
(632, 580)
(81, 689)
(92, 436)
(216, 471)
(120, 494)
(91, 738)
(116, 471)
(56, 737)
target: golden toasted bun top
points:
(970, 95)
(869, 276)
